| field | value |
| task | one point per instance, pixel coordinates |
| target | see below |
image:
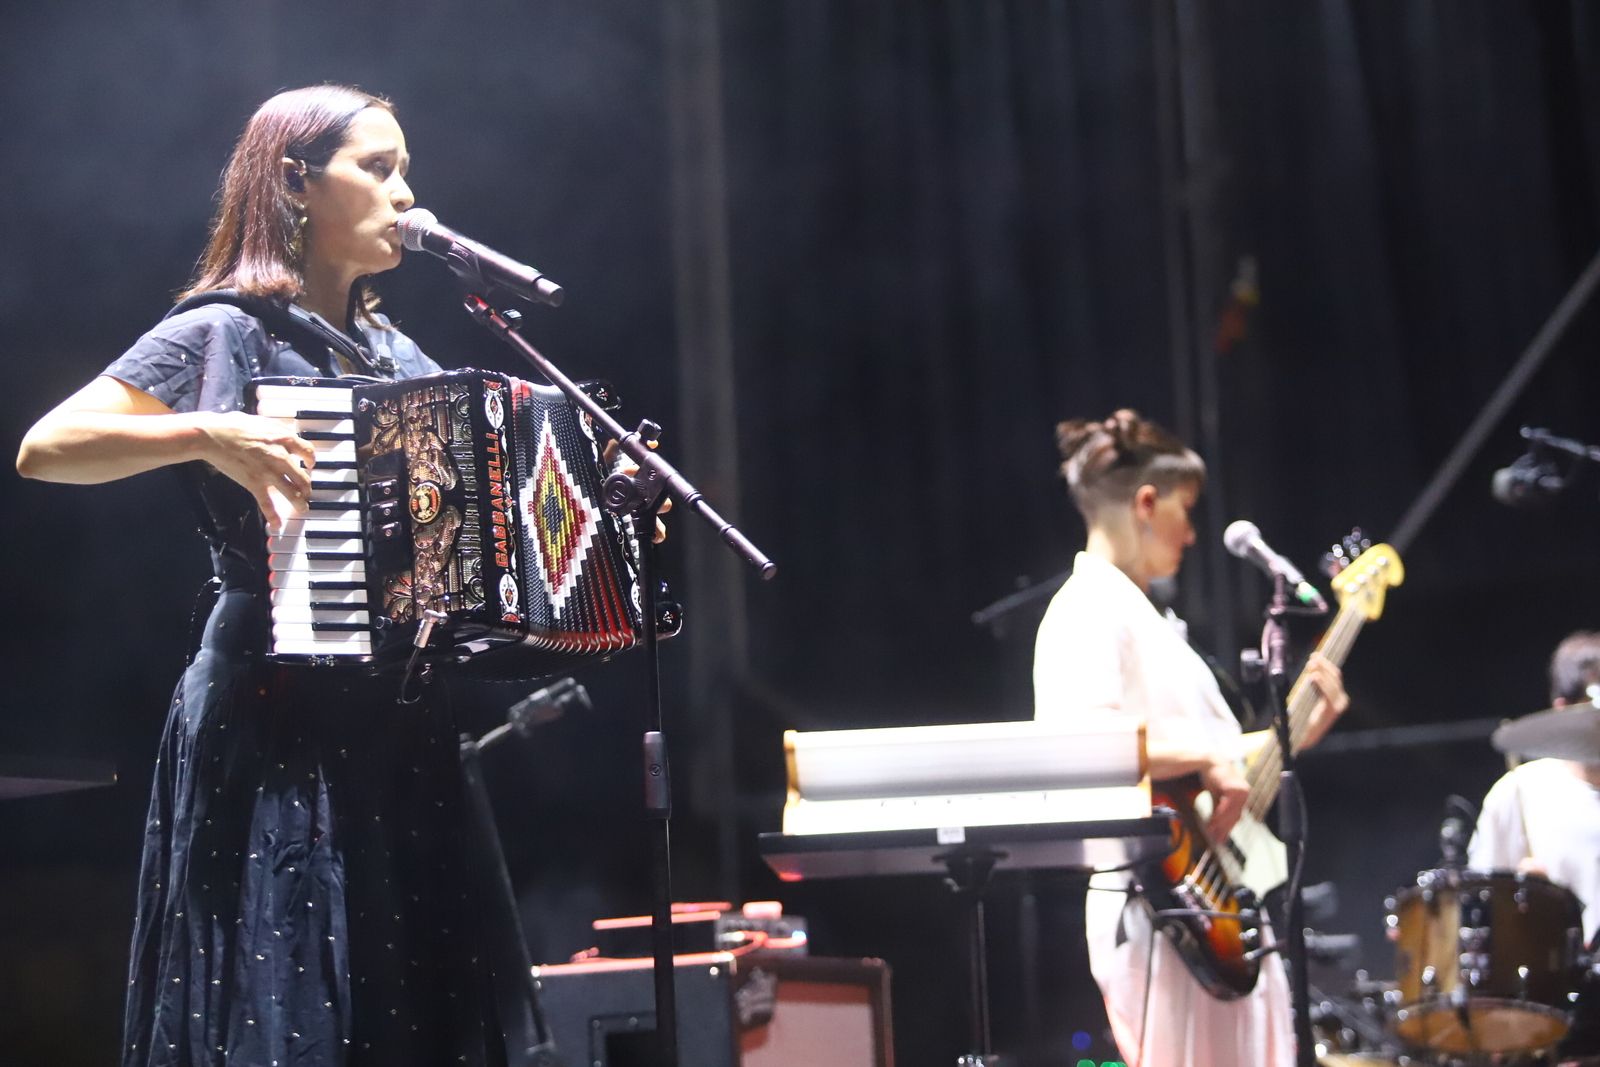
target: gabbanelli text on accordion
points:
(469, 494)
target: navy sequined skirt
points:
(303, 899)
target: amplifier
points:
(751, 1010)
(718, 927)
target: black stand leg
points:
(638, 495)
(1291, 824)
(969, 877)
(657, 802)
(522, 1023)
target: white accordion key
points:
(310, 613)
(302, 641)
(288, 401)
(308, 596)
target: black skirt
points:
(304, 898)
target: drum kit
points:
(1488, 964)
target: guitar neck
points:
(1267, 764)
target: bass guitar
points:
(1221, 882)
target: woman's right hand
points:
(1229, 790)
(266, 456)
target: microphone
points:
(547, 705)
(421, 231)
(1243, 539)
(537, 708)
(1455, 831)
(1529, 482)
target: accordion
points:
(467, 493)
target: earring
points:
(297, 240)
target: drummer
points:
(1543, 817)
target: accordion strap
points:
(309, 332)
(310, 335)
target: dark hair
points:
(1106, 462)
(251, 247)
(1575, 666)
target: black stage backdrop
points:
(950, 225)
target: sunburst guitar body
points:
(1221, 883)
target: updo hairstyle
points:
(1105, 462)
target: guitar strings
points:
(1211, 874)
(1212, 871)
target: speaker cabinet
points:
(733, 1011)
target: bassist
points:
(1103, 648)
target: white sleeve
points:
(1077, 664)
(1500, 840)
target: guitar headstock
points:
(1366, 573)
(1345, 551)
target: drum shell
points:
(1485, 961)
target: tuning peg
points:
(1341, 555)
(1357, 542)
(1335, 560)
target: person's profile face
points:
(351, 206)
(1170, 530)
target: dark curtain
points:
(948, 227)
(957, 223)
(953, 224)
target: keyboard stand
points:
(968, 858)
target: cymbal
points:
(31, 776)
(1571, 732)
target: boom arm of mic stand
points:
(654, 470)
(1546, 439)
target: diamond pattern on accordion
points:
(564, 520)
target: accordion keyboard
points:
(317, 569)
(467, 499)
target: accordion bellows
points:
(467, 493)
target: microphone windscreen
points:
(413, 223)
(1239, 535)
(1506, 487)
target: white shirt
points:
(1545, 812)
(1104, 649)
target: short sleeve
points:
(1500, 841)
(1077, 662)
(197, 361)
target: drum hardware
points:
(1570, 732)
(1486, 962)
(1352, 1029)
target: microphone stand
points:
(1291, 818)
(524, 1029)
(640, 496)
